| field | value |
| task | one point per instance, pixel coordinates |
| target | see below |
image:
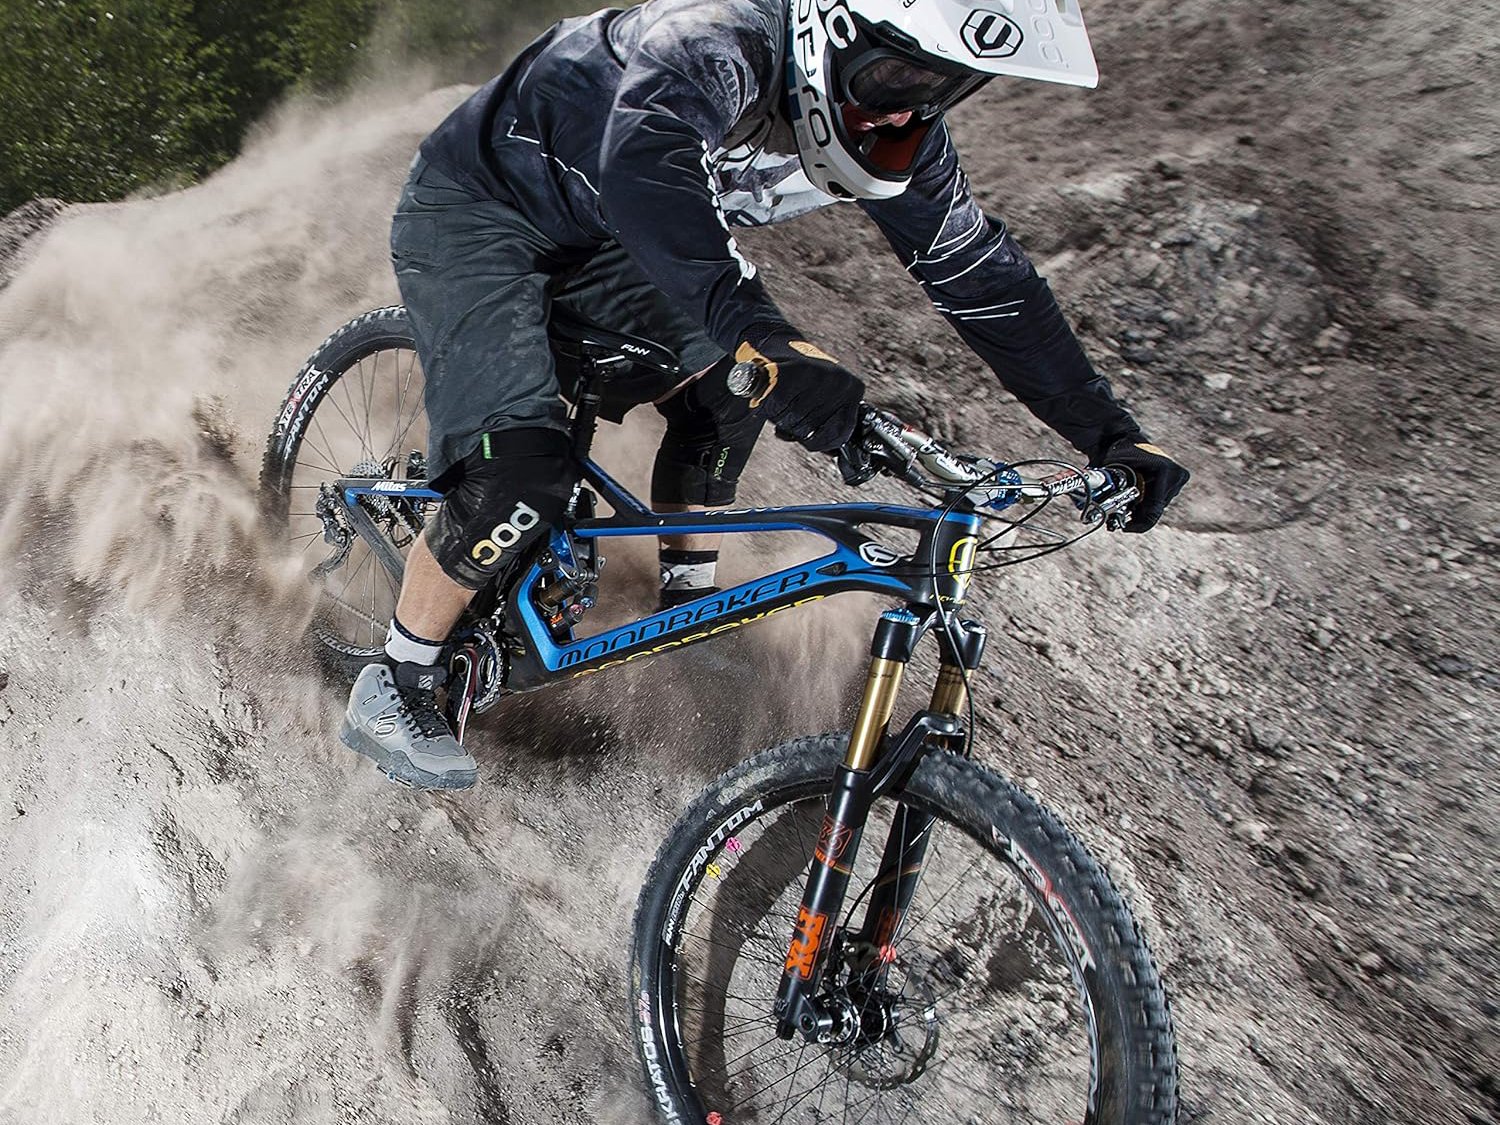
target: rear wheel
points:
(1016, 987)
(354, 410)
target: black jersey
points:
(663, 127)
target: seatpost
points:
(586, 409)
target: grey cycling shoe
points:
(393, 719)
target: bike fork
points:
(854, 789)
(874, 947)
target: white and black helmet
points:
(919, 56)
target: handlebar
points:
(883, 443)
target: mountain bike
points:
(862, 926)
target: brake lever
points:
(1115, 510)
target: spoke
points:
(355, 401)
(828, 1079)
(400, 406)
(324, 435)
(353, 429)
(773, 957)
(723, 1068)
(368, 394)
(910, 925)
(324, 468)
(750, 1001)
(362, 564)
(348, 421)
(373, 577)
(738, 1026)
(399, 429)
(797, 1066)
(804, 1095)
(416, 413)
(327, 450)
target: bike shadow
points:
(691, 713)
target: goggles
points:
(881, 81)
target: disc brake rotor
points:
(900, 1030)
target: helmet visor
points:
(883, 82)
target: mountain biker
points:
(602, 174)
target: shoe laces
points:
(418, 695)
(421, 707)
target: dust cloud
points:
(213, 911)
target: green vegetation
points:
(100, 98)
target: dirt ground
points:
(1275, 717)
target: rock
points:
(1142, 265)
(4, 679)
(1211, 585)
(1333, 340)
(1108, 188)
(1118, 573)
(1450, 665)
(1253, 832)
(1229, 449)
(393, 824)
(1218, 380)
(1268, 738)
(925, 355)
(829, 278)
(1168, 167)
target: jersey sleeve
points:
(691, 76)
(981, 281)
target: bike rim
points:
(984, 1017)
(366, 423)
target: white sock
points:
(408, 648)
(687, 570)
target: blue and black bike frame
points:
(856, 561)
(835, 969)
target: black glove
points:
(1161, 478)
(811, 397)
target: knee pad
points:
(710, 435)
(501, 503)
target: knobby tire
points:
(708, 856)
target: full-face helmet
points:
(867, 78)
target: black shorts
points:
(478, 280)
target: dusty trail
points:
(1276, 718)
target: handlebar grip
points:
(748, 379)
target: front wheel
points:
(1016, 987)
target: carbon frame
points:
(856, 562)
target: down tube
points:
(838, 572)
